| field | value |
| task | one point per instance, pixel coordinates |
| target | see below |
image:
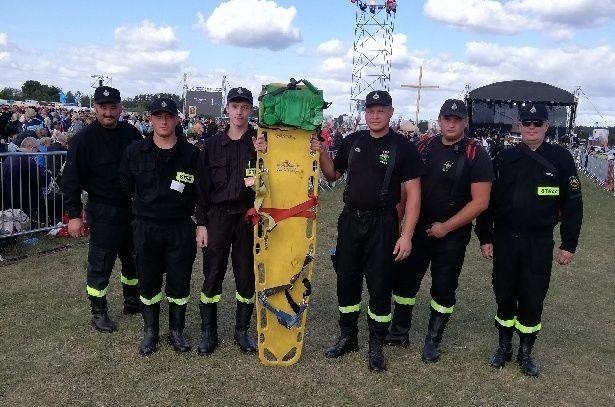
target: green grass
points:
(50, 356)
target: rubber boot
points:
(243, 316)
(435, 330)
(209, 329)
(177, 322)
(399, 331)
(524, 356)
(503, 353)
(100, 317)
(347, 341)
(151, 327)
(132, 304)
(375, 355)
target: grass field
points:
(50, 356)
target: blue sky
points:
(146, 46)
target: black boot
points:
(524, 356)
(400, 326)
(504, 352)
(375, 354)
(132, 304)
(347, 341)
(177, 322)
(209, 329)
(151, 327)
(100, 317)
(435, 330)
(243, 316)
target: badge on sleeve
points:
(574, 183)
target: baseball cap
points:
(533, 111)
(378, 97)
(240, 93)
(454, 107)
(163, 105)
(106, 94)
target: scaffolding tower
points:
(373, 46)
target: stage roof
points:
(523, 91)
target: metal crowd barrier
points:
(31, 198)
(597, 167)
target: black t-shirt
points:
(163, 154)
(443, 196)
(369, 165)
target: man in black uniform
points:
(454, 190)
(159, 173)
(223, 200)
(92, 164)
(379, 163)
(536, 185)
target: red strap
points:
(303, 210)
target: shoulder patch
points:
(574, 183)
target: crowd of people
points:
(409, 205)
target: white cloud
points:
(558, 18)
(145, 36)
(251, 24)
(3, 39)
(143, 59)
(332, 47)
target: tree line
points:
(34, 90)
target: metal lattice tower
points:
(373, 46)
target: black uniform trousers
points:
(521, 276)
(164, 247)
(445, 255)
(365, 244)
(110, 238)
(226, 230)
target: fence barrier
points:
(596, 167)
(31, 199)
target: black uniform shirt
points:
(369, 165)
(161, 182)
(445, 191)
(222, 168)
(92, 164)
(529, 199)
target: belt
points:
(365, 213)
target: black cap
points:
(163, 105)
(107, 94)
(378, 97)
(240, 93)
(533, 111)
(454, 107)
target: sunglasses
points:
(535, 123)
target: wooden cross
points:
(418, 88)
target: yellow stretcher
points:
(286, 184)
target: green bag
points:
(292, 105)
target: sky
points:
(147, 46)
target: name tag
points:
(185, 178)
(548, 191)
(177, 186)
